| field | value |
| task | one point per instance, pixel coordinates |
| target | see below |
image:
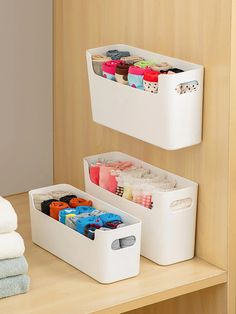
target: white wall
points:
(26, 142)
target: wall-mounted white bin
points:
(168, 229)
(95, 257)
(166, 119)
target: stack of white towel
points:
(13, 266)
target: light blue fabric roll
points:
(13, 267)
(14, 285)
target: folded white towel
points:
(8, 218)
(11, 245)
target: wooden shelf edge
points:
(220, 277)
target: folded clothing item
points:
(14, 285)
(8, 218)
(117, 54)
(45, 206)
(67, 198)
(11, 245)
(59, 194)
(131, 59)
(40, 198)
(77, 201)
(55, 208)
(13, 267)
(97, 61)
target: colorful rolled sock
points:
(150, 81)
(127, 192)
(120, 191)
(121, 74)
(110, 220)
(83, 223)
(131, 59)
(45, 206)
(109, 69)
(77, 201)
(71, 221)
(144, 64)
(67, 198)
(117, 54)
(63, 214)
(94, 171)
(89, 230)
(163, 66)
(85, 209)
(135, 77)
(55, 208)
(97, 61)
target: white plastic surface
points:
(168, 229)
(93, 257)
(166, 119)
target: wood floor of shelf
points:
(57, 287)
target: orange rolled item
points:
(74, 202)
(55, 208)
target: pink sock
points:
(94, 174)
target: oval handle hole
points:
(187, 87)
(123, 243)
(181, 204)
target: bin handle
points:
(183, 203)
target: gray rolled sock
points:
(115, 245)
(128, 241)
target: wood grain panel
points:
(207, 301)
(195, 31)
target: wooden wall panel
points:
(207, 301)
(198, 31)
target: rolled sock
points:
(174, 70)
(144, 64)
(127, 241)
(13, 267)
(96, 212)
(8, 218)
(137, 194)
(11, 245)
(112, 182)
(39, 198)
(150, 81)
(83, 223)
(77, 201)
(120, 191)
(14, 285)
(116, 54)
(90, 229)
(94, 171)
(110, 220)
(109, 69)
(71, 221)
(135, 77)
(67, 198)
(121, 74)
(58, 194)
(163, 66)
(45, 206)
(104, 176)
(131, 59)
(65, 212)
(85, 209)
(97, 61)
(55, 208)
(127, 191)
(115, 244)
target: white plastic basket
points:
(168, 229)
(95, 257)
(166, 119)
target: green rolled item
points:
(144, 63)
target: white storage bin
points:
(95, 257)
(166, 119)
(168, 229)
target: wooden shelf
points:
(58, 287)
